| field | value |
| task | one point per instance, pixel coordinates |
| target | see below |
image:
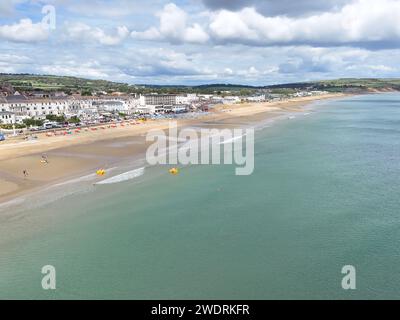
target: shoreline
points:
(71, 157)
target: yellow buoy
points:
(174, 171)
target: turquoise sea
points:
(324, 194)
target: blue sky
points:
(204, 41)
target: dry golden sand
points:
(80, 153)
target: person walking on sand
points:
(45, 159)
(25, 173)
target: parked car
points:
(2, 137)
(49, 125)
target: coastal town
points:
(197, 158)
(27, 112)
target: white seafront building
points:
(23, 108)
(161, 103)
(231, 100)
(15, 108)
(7, 117)
(258, 98)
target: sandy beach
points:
(81, 153)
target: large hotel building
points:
(158, 100)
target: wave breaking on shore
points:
(123, 177)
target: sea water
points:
(324, 194)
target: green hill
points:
(31, 83)
(69, 85)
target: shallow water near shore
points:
(324, 194)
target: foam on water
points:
(123, 177)
(232, 139)
(86, 178)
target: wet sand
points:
(78, 154)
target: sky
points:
(254, 42)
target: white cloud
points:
(360, 21)
(227, 72)
(13, 58)
(321, 60)
(237, 45)
(6, 7)
(13, 63)
(281, 7)
(83, 32)
(173, 27)
(161, 62)
(4, 68)
(149, 34)
(74, 69)
(380, 68)
(24, 31)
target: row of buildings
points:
(14, 108)
(17, 107)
